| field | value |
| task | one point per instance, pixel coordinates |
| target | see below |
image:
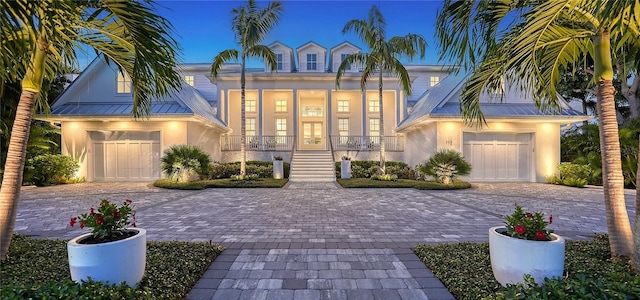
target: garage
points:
(498, 156)
(125, 155)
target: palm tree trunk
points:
(12, 181)
(243, 119)
(636, 222)
(619, 228)
(381, 105)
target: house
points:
(296, 112)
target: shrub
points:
(385, 177)
(573, 174)
(368, 168)
(264, 169)
(445, 165)
(181, 162)
(50, 169)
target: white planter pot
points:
(278, 169)
(345, 169)
(118, 261)
(512, 258)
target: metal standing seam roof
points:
(186, 101)
(437, 102)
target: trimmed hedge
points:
(264, 169)
(368, 168)
(402, 183)
(39, 269)
(221, 183)
(465, 269)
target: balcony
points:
(367, 143)
(258, 143)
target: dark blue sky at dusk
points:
(203, 27)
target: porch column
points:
(398, 107)
(294, 97)
(259, 117)
(329, 117)
(364, 114)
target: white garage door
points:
(125, 155)
(498, 156)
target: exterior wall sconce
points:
(449, 141)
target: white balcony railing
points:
(258, 143)
(367, 143)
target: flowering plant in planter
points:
(108, 222)
(528, 226)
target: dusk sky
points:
(203, 27)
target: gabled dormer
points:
(311, 58)
(339, 53)
(284, 58)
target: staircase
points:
(312, 166)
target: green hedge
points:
(368, 168)
(402, 183)
(48, 169)
(39, 269)
(264, 169)
(221, 183)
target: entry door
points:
(312, 136)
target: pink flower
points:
(128, 201)
(116, 214)
(72, 221)
(92, 212)
(100, 220)
(530, 215)
(541, 235)
(520, 229)
(550, 219)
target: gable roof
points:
(345, 43)
(277, 43)
(309, 44)
(186, 102)
(442, 101)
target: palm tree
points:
(383, 58)
(40, 37)
(250, 25)
(526, 43)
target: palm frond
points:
(265, 53)
(222, 58)
(357, 59)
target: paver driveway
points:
(317, 240)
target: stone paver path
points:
(318, 240)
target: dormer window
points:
(434, 80)
(312, 62)
(344, 56)
(189, 79)
(124, 83)
(279, 62)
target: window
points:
(374, 105)
(280, 62)
(249, 105)
(189, 79)
(343, 56)
(434, 80)
(312, 62)
(281, 105)
(343, 105)
(250, 127)
(343, 126)
(281, 127)
(124, 83)
(312, 111)
(374, 127)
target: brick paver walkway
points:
(318, 240)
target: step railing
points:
(366, 143)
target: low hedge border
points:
(402, 183)
(465, 269)
(39, 269)
(221, 183)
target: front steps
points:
(316, 166)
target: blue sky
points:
(203, 27)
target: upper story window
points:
(374, 105)
(343, 105)
(279, 62)
(281, 105)
(124, 83)
(343, 56)
(312, 111)
(250, 105)
(434, 80)
(189, 79)
(312, 61)
(250, 126)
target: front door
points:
(312, 138)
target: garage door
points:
(126, 155)
(498, 156)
